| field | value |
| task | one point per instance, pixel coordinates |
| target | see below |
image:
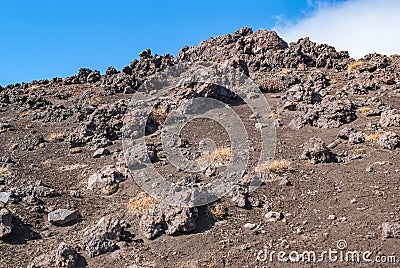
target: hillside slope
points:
(336, 176)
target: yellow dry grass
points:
(159, 115)
(32, 87)
(220, 156)
(276, 167)
(4, 171)
(216, 211)
(75, 150)
(276, 116)
(54, 137)
(360, 151)
(141, 203)
(355, 65)
(364, 109)
(332, 81)
(99, 100)
(374, 136)
(24, 114)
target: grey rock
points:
(369, 169)
(5, 222)
(6, 159)
(168, 219)
(210, 171)
(390, 118)
(66, 256)
(31, 141)
(106, 181)
(239, 196)
(100, 152)
(249, 226)
(316, 151)
(285, 182)
(331, 112)
(391, 230)
(389, 140)
(97, 246)
(63, 256)
(273, 216)
(357, 137)
(346, 132)
(62, 216)
(4, 196)
(331, 217)
(43, 191)
(103, 236)
(5, 126)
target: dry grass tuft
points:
(374, 136)
(56, 137)
(159, 115)
(220, 156)
(75, 150)
(364, 109)
(276, 116)
(141, 203)
(216, 211)
(360, 151)
(332, 81)
(276, 167)
(24, 114)
(355, 65)
(4, 171)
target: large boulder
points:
(389, 140)
(66, 256)
(390, 118)
(103, 236)
(169, 219)
(316, 151)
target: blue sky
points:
(45, 39)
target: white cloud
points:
(358, 26)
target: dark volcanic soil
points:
(346, 187)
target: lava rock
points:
(106, 181)
(390, 118)
(168, 219)
(391, 230)
(100, 152)
(102, 237)
(66, 256)
(4, 196)
(62, 216)
(346, 132)
(316, 152)
(6, 225)
(239, 196)
(31, 141)
(389, 140)
(331, 112)
(273, 216)
(357, 137)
